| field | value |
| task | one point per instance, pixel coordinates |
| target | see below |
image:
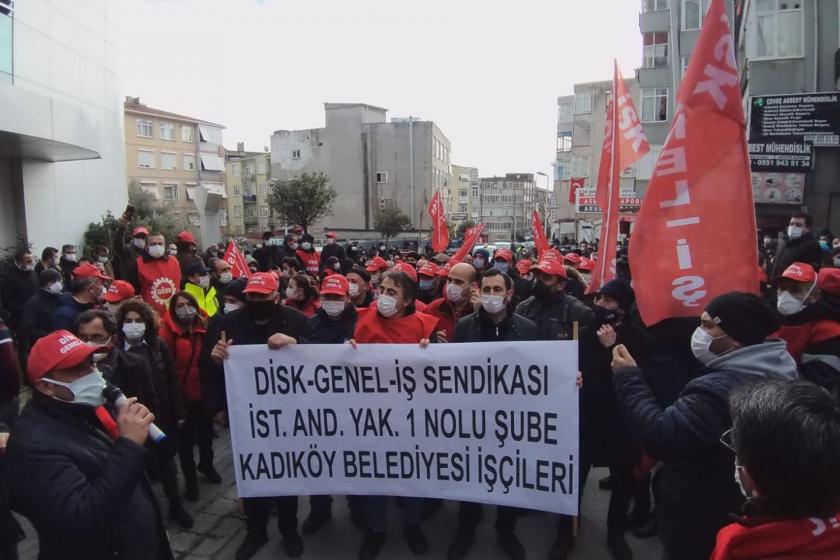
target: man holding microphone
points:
(76, 472)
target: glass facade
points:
(6, 42)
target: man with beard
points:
(263, 320)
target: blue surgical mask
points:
(501, 266)
(86, 390)
(426, 284)
(824, 246)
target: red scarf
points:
(784, 539)
(107, 421)
(373, 327)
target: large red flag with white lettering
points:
(236, 260)
(540, 240)
(440, 233)
(618, 152)
(695, 235)
(470, 237)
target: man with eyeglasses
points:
(695, 489)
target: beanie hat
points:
(620, 291)
(745, 317)
(361, 272)
(236, 287)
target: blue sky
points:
(487, 72)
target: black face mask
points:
(541, 291)
(259, 310)
(607, 316)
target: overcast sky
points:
(487, 72)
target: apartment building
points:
(505, 205)
(248, 188)
(463, 195)
(179, 160)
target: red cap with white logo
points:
(57, 350)
(261, 283)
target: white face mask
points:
(139, 242)
(493, 304)
(231, 307)
(101, 260)
(700, 343)
(337, 266)
(186, 314)
(386, 305)
(204, 281)
(156, 251)
(134, 331)
(789, 304)
(330, 241)
(454, 293)
(28, 267)
(55, 288)
(86, 390)
(794, 232)
(306, 245)
(354, 290)
(333, 308)
(70, 257)
(293, 246)
(478, 263)
(226, 277)
(173, 252)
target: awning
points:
(215, 188)
(209, 162)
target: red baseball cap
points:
(376, 263)
(429, 269)
(828, 281)
(552, 268)
(118, 291)
(573, 258)
(503, 254)
(335, 284)
(800, 272)
(87, 270)
(553, 255)
(524, 266)
(407, 268)
(586, 264)
(186, 237)
(58, 350)
(261, 283)
(331, 234)
(140, 230)
(443, 271)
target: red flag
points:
(575, 184)
(470, 237)
(695, 235)
(236, 260)
(540, 241)
(619, 151)
(440, 233)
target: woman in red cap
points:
(394, 320)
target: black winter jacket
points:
(132, 374)
(86, 494)
(332, 250)
(37, 318)
(804, 249)
(17, 287)
(320, 329)
(477, 327)
(556, 317)
(170, 400)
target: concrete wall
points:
(66, 52)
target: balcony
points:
(249, 197)
(655, 21)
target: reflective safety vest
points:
(207, 302)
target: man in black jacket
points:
(78, 475)
(331, 249)
(19, 284)
(263, 319)
(696, 490)
(37, 315)
(495, 321)
(801, 246)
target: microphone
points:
(116, 397)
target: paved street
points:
(219, 528)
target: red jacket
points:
(447, 315)
(159, 280)
(785, 539)
(800, 337)
(311, 262)
(185, 348)
(373, 327)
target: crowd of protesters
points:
(721, 433)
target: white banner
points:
(484, 422)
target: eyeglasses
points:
(728, 440)
(96, 339)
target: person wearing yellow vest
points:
(198, 286)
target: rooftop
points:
(133, 105)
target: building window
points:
(237, 211)
(150, 188)
(262, 167)
(144, 128)
(237, 190)
(263, 211)
(654, 104)
(693, 12)
(562, 170)
(262, 189)
(564, 142)
(654, 5)
(462, 192)
(168, 161)
(684, 65)
(583, 103)
(655, 50)
(145, 159)
(235, 170)
(189, 162)
(564, 112)
(779, 29)
(187, 133)
(247, 190)
(382, 176)
(249, 169)
(250, 211)
(462, 207)
(167, 131)
(170, 192)
(580, 166)
(295, 154)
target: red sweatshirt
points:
(779, 539)
(373, 327)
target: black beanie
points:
(235, 288)
(620, 291)
(745, 317)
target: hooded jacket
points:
(804, 249)
(697, 489)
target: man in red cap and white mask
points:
(158, 276)
(86, 292)
(78, 474)
(810, 308)
(263, 320)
